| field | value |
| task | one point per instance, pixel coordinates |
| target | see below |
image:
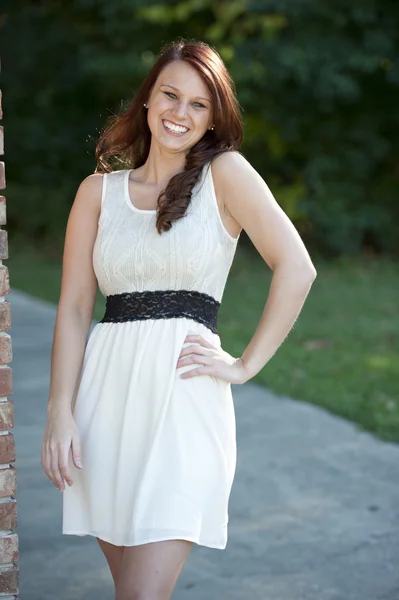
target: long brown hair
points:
(126, 138)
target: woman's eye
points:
(169, 94)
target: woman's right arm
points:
(74, 316)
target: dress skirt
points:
(158, 451)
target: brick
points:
(8, 514)
(3, 210)
(9, 579)
(5, 316)
(3, 244)
(7, 448)
(5, 381)
(4, 281)
(8, 482)
(5, 348)
(2, 176)
(8, 548)
(6, 416)
(1, 139)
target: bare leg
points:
(114, 555)
(150, 571)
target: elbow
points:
(303, 273)
(305, 270)
(311, 274)
(306, 274)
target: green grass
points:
(342, 354)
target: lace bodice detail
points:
(130, 255)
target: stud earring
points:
(211, 128)
(145, 104)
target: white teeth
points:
(175, 128)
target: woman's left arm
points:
(249, 201)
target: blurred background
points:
(318, 83)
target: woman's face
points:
(179, 108)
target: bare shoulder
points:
(248, 199)
(87, 202)
(231, 165)
(232, 169)
(93, 181)
(86, 207)
(79, 284)
(232, 172)
(222, 167)
(244, 192)
(90, 188)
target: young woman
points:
(141, 423)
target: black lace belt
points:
(162, 304)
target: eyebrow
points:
(177, 90)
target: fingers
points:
(210, 357)
(76, 453)
(189, 360)
(194, 354)
(55, 464)
(200, 352)
(195, 349)
(199, 339)
(55, 474)
(206, 370)
(59, 438)
(64, 467)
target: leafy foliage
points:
(318, 83)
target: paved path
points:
(314, 511)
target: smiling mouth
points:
(177, 130)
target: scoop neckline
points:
(129, 200)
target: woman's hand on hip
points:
(212, 360)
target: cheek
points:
(160, 106)
(158, 109)
(200, 121)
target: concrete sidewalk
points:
(314, 511)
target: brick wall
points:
(8, 504)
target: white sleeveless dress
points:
(158, 451)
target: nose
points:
(180, 110)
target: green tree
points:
(318, 83)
